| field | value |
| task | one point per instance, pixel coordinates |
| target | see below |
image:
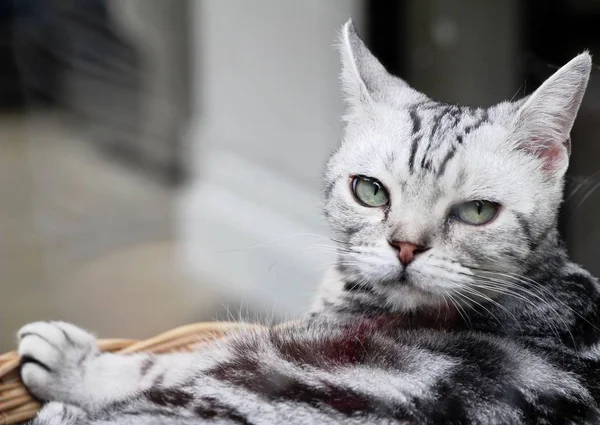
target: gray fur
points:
(493, 324)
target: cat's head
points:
(425, 196)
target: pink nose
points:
(407, 251)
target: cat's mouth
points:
(403, 278)
(409, 278)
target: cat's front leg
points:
(61, 362)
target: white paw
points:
(53, 359)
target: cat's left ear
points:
(543, 123)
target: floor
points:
(86, 240)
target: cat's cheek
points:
(352, 219)
(466, 241)
(382, 265)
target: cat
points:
(453, 300)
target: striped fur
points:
(492, 324)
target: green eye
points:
(369, 192)
(476, 212)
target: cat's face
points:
(427, 198)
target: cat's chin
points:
(410, 291)
(407, 297)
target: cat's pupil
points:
(375, 189)
(479, 206)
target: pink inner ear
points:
(553, 157)
(552, 154)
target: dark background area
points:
(45, 44)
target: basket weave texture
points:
(17, 405)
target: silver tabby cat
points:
(453, 300)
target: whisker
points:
(582, 184)
(460, 310)
(513, 289)
(339, 241)
(539, 287)
(584, 198)
(477, 293)
(272, 242)
(535, 290)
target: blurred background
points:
(160, 160)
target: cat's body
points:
(351, 370)
(453, 300)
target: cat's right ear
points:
(364, 79)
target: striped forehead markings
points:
(447, 117)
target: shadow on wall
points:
(128, 56)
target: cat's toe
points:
(59, 414)
(52, 357)
(61, 335)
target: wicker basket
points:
(16, 405)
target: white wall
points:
(267, 116)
